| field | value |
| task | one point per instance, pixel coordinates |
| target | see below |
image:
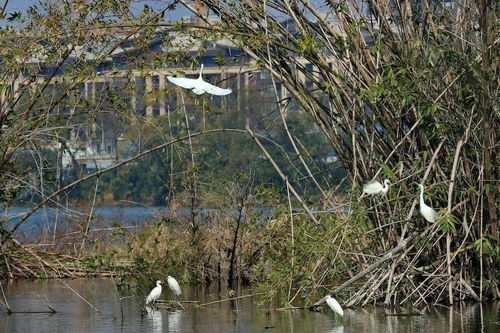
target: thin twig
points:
(233, 299)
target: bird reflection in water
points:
(174, 321)
(156, 318)
(337, 329)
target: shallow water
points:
(74, 315)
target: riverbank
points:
(233, 247)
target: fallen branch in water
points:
(289, 308)
(169, 303)
(77, 294)
(47, 302)
(411, 239)
(52, 311)
(5, 304)
(403, 314)
(233, 298)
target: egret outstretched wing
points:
(214, 90)
(198, 91)
(199, 86)
(183, 82)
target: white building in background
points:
(88, 157)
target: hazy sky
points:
(21, 5)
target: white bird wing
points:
(429, 213)
(335, 306)
(174, 285)
(372, 187)
(153, 295)
(434, 214)
(183, 82)
(211, 89)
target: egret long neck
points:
(421, 196)
(201, 70)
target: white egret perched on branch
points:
(174, 286)
(375, 187)
(199, 86)
(427, 212)
(154, 294)
(334, 305)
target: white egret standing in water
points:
(154, 294)
(375, 187)
(198, 86)
(174, 286)
(426, 211)
(334, 305)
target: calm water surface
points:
(47, 220)
(74, 315)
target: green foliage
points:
(447, 222)
(388, 173)
(490, 247)
(312, 254)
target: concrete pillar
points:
(85, 90)
(92, 91)
(149, 90)
(223, 77)
(247, 91)
(162, 94)
(238, 92)
(247, 79)
(178, 98)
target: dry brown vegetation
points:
(406, 90)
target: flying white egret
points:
(174, 285)
(427, 212)
(375, 187)
(199, 86)
(154, 294)
(334, 305)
